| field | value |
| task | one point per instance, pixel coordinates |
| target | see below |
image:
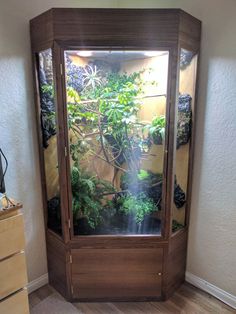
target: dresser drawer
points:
(11, 235)
(15, 304)
(12, 274)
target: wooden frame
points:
(156, 265)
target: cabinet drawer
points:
(12, 274)
(11, 235)
(17, 303)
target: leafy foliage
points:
(111, 113)
(103, 117)
(144, 181)
(137, 206)
(91, 77)
(88, 196)
(87, 190)
(48, 116)
(176, 225)
(157, 129)
(143, 174)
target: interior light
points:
(84, 53)
(151, 53)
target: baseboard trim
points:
(218, 293)
(37, 283)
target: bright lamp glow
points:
(151, 53)
(84, 53)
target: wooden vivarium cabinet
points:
(115, 92)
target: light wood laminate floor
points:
(187, 300)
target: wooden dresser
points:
(13, 276)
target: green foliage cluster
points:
(157, 129)
(138, 206)
(48, 90)
(143, 194)
(176, 225)
(112, 112)
(106, 111)
(87, 191)
(141, 181)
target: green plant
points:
(176, 225)
(106, 111)
(91, 77)
(88, 199)
(88, 191)
(103, 118)
(143, 174)
(157, 129)
(138, 206)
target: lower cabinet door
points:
(118, 274)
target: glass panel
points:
(49, 131)
(116, 103)
(187, 81)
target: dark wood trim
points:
(56, 256)
(66, 140)
(39, 133)
(192, 145)
(171, 142)
(174, 263)
(117, 242)
(58, 82)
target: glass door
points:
(116, 117)
(49, 130)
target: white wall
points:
(212, 240)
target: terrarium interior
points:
(116, 118)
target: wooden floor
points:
(187, 300)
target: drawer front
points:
(15, 304)
(12, 274)
(11, 235)
(116, 273)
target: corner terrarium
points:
(115, 95)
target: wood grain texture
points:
(106, 242)
(13, 274)
(17, 303)
(61, 138)
(12, 238)
(116, 273)
(41, 32)
(175, 263)
(107, 27)
(189, 32)
(57, 261)
(116, 286)
(117, 260)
